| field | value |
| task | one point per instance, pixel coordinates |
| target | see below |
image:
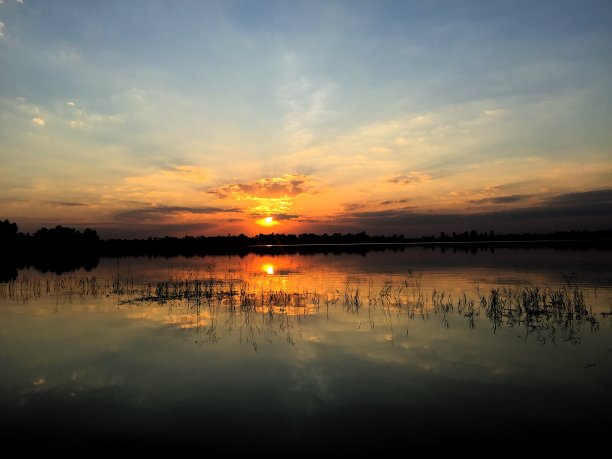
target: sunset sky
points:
(141, 118)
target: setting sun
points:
(267, 221)
(268, 268)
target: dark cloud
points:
(285, 217)
(68, 204)
(586, 198)
(499, 199)
(219, 192)
(354, 206)
(160, 213)
(15, 201)
(146, 229)
(517, 185)
(388, 202)
(573, 211)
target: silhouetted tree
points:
(8, 232)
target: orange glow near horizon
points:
(267, 221)
(268, 268)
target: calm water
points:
(294, 354)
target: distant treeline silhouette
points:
(56, 250)
(62, 249)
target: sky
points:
(141, 118)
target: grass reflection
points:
(217, 305)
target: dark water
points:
(308, 354)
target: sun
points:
(267, 221)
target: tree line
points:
(63, 249)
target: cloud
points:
(412, 177)
(495, 112)
(499, 199)
(1, 29)
(571, 211)
(277, 187)
(286, 217)
(388, 202)
(267, 196)
(171, 185)
(82, 118)
(304, 99)
(39, 121)
(353, 206)
(161, 213)
(146, 229)
(585, 198)
(68, 204)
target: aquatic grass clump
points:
(351, 296)
(467, 307)
(179, 290)
(540, 309)
(442, 305)
(24, 289)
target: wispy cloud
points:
(39, 121)
(499, 199)
(68, 204)
(354, 206)
(304, 101)
(167, 184)
(80, 117)
(156, 229)
(388, 202)
(282, 217)
(163, 213)
(412, 177)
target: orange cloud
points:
(289, 185)
(268, 196)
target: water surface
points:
(288, 353)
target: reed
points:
(538, 310)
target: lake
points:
(385, 350)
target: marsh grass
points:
(25, 289)
(544, 312)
